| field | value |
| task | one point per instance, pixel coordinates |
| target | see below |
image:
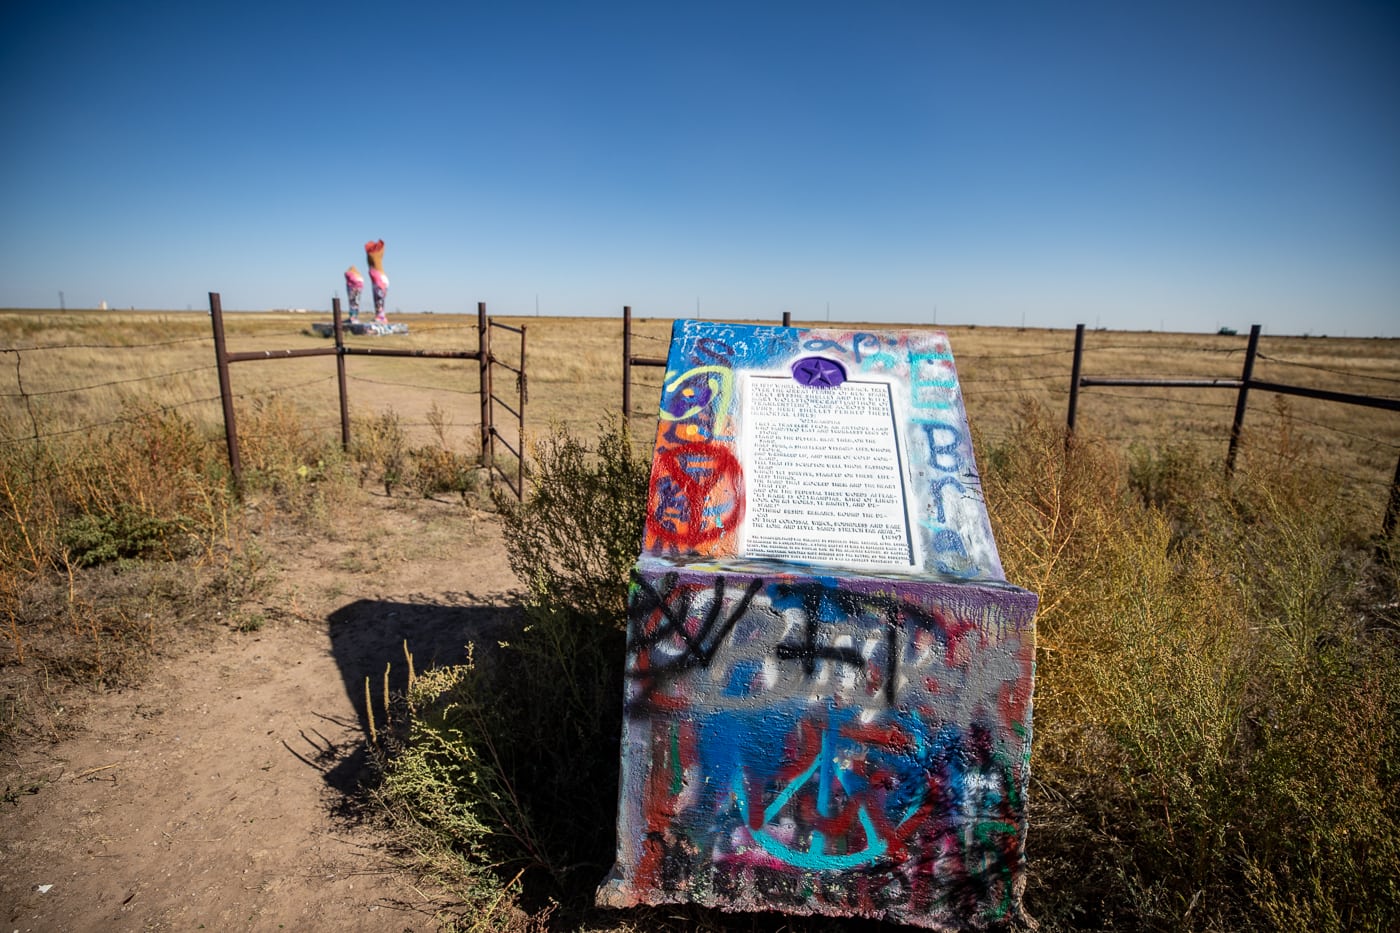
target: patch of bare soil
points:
(220, 794)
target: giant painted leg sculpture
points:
(354, 284)
(374, 253)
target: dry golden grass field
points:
(82, 371)
(185, 665)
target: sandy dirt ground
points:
(219, 794)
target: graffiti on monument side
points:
(696, 497)
(676, 626)
(664, 613)
(700, 390)
(833, 812)
(859, 643)
(854, 748)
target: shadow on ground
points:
(369, 635)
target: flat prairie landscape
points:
(188, 675)
(81, 371)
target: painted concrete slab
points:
(829, 681)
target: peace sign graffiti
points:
(697, 494)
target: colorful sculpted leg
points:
(381, 288)
(374, 253)
(354, 284)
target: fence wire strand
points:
(1332, 471)
(1327, 427)
(1327, 369)
(106, 346)
(124, 419)
(410, 385)
(1163, 349)
(958, 357)
(987, 382)
(273, 390)
(975, 393)
(1161, 438)
(1224, 406)
(103, 385)
(429, 328)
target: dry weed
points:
(1199, 647)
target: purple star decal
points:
(818, 371)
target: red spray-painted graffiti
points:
(697, 496)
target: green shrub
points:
(573, 540)
(129, 532)
(439, 469)
(380, 444)
(515, 762)
(446, 774)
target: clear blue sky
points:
(1132, 165)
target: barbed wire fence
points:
(1243, 385)
(1051, 384)
(487, 362)
(25, 423)
(28, 395)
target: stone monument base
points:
(824, 743)
(360, 328)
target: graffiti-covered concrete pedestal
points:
(829, 681)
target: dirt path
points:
(215, 796)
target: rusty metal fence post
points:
(523, 385)
(483, 331)
(1237, 427)
(629, 361)
(1074, 379)
(626, 361)
(216, 316)
(340, 376)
